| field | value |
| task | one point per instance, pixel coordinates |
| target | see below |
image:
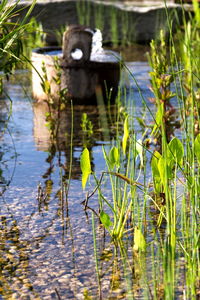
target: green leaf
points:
(105, 220)
(175, 151)
(125, 136)
(114, 157)
(155, 171)
(162, 168)
(85, 166)
(159, 118)
(197, 147)
(139, 240)
(154, 163)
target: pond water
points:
(46, 246)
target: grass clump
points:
(11, 35)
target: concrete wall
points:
(118, 20)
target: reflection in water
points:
(72, 133)
(3, 119)
(95, 114)
(76, 127)
(120, 270)
(5, 149)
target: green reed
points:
(96, 256)
(100, 16)
(11, 34)
(120, 162)
(170, 240)
(189, 180)
(84, 12)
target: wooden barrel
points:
(43, 62)
(85, 80)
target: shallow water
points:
(46, 243)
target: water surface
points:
(46, 246)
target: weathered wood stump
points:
(85, 77)
(77, 39)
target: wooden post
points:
(77, 44)
(79, 80)
(81, 76)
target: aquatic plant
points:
(162, 78)
(172, 239)
(83, 11)
(123, 186)
(187, 45)
(59, 34)
(11, 34)
(55, 107)
(34, 37)
(87, 130)
(89, 16)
